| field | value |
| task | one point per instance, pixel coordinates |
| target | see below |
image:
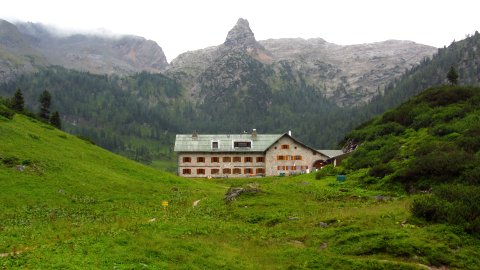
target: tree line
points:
(17, 103)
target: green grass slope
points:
(67, 204)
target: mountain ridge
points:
(95, 53)
(349, 74)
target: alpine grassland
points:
(68, 204)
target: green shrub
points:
(10, 161)
(470, 141)
(88, 140)
(452, 203)
(451, 95)
(5, 112)
(380, 170)
(429, 208)
(441, 130)
(328, 170)
(391, 128)
(403, 115)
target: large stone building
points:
(245, 155)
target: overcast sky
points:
(183, 25)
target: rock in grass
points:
(234, 192)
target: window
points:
(187, 171)
(281, 168)
(248, 171)
(237, 159)
(280, 157)
(293, 168)
(200, 171)
(285, 146)
(227, 171)
(260, 171)
(242, 144)
(237, 171)
(260, 159)
(227, 159)
(215, 160)
(215, 145)
(187, 159)
(248, 159)
(298, 157)
(200, 159)
(214, 171)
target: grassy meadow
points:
(67, 204)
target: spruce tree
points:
(45, 100)
(17, 102)
(452, 76)
(55, 120)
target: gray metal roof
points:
(331, 153)
(203, 142)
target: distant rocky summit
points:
(26, 46)
(351, 75)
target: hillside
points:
(69, 204)
(430, 144)
(464, 55)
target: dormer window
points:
(242, 144)
(214, 145)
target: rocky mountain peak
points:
(242, 40)
(240, 35)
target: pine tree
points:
(45, 100)
(55, 120)
(452, 76)
(17, 102)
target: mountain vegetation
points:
(431, 145)
(63, 197)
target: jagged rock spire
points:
(240, 35)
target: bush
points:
(5, 112)
(441, 130)
(10, 161)
(455, 204)
(380, 170)
(88, 140)
(390, 129)
(328, 170)
(446, 96)
(429, 208)
(403, 115)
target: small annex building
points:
(246, 155)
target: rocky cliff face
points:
(97, 54)
(26, 46)
(16, 53)
(350, 75)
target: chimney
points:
(194, 135)
(254, 134)
(290, 133)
